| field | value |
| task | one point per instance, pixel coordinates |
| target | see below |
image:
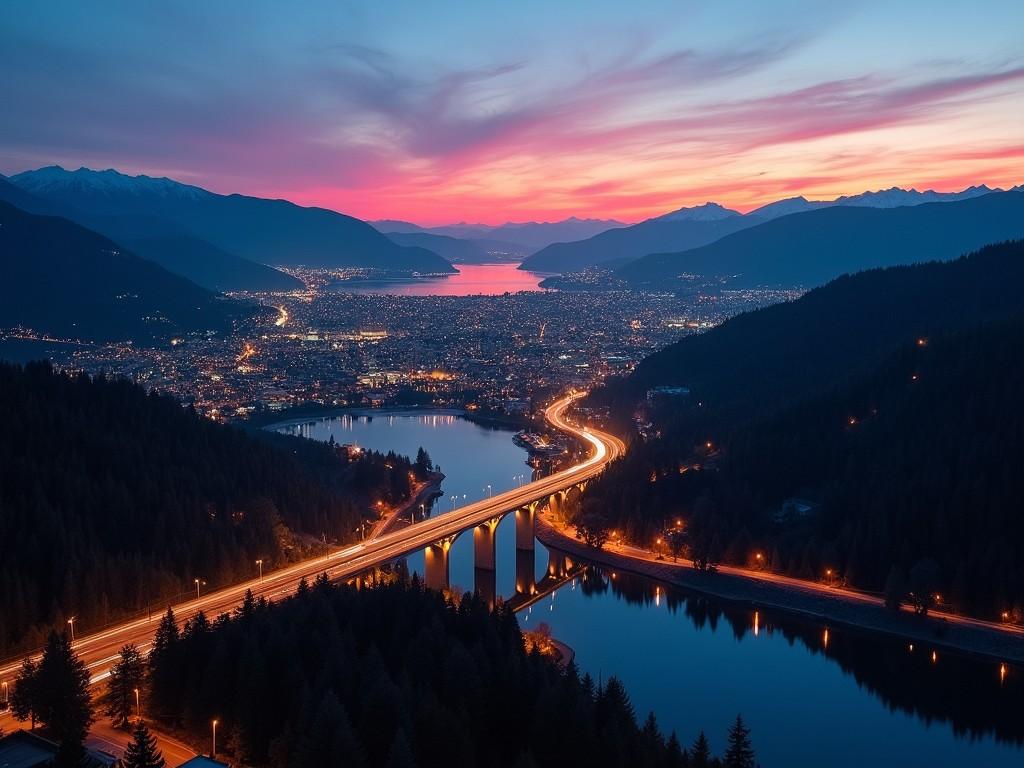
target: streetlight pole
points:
(7, 699)
(260, 564)
(213, 751)
(138, 705)
(71, 623)
(197, 581)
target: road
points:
(795, 585)
(99, 650)
(106, 738)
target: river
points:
(812, 695)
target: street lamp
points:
(7, 699)
(198, 582)
(260, 564)
(71, 623)
(423, 513)
(453, 502)
(213, 751)
(138, 705)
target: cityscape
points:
(511, 386)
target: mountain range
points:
(695, 226)
(812, 247)
(460, 250)
(269, 232)
(64, 280)
(527, 236)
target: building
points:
(24, 749)
(202, 761)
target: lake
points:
(472, 280)
(812, 695)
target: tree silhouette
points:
(142, 752)
(24, 699)
(700, 752)
(56, 693)
(126, 679)
(740, 752)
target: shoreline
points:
(831, 606)
(427, 491)
(360, 411)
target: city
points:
(511, 385)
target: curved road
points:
(99, 650)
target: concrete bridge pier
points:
(484, 544)
(435, 565)
(485, 581)
(525, 518)
(485, 584)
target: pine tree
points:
(164, 671)
(740, 753)
(700, 752)
(142, 752)
(61, 692)
(24, 702)
(126, 677)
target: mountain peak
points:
(54, 178)
(707, 212)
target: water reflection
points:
(976, 698)
(472, 280)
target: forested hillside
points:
(393, 676)
(113, 499)
(909, 458)
(65, 280)
(760, 361)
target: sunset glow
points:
(529, 111)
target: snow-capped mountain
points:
(895, 197)
(786, 207)
(56, 181)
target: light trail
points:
(99, 650)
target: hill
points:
(527, 237)
(209, 266)
(756, 362)
(67, 281)
(266, 231)
(813, 247)
(632, 242)
(117, 499)
(165, 243)
(886, 400)
(459, 250)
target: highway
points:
(99, 650)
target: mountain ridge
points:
(271, 232)
(65, 280)
(812, 247)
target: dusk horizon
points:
(443, 119)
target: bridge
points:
(434, 535)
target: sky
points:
(438, 112)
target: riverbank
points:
(422, 494)
(302, 414)
(827, 605)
